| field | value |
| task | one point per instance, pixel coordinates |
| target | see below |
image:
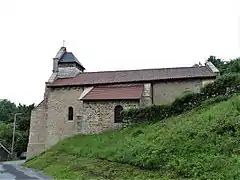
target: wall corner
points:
(146, 99)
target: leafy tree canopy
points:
(7, 112)
(232, 66)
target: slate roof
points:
(127, 76)
(122, 92)
(68, 57)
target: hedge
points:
(222, 89)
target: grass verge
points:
(201, 144)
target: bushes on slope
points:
(222, 89)
(202, 144)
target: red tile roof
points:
(110, 77)
(121, 92)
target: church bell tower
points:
(65, 65)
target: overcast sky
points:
(110, 35)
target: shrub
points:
(202, 144)
(222, 89)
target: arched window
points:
(70, 113)
(117, 114)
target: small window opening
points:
(70, 113)
(117, 114)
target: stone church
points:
(80, 102)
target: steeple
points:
(65, 64)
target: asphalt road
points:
(13, 170)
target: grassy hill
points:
(201, 144)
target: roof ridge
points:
(91, 72)
(186, 67)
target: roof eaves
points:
(110, 99)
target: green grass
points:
(201, 144)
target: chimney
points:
(60, 53)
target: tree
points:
(232, 66)
(21, 141)
(23, 122)
(7, 111)
(6, 134)
(22, 126)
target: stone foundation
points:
(35, 149)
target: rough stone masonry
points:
(79, 102)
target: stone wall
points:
(167, 92)
(58, 125)
(67, 72)
(37, 132)
(50, 124)
(98, 116)
(49, 120)
(146, 99)
(207, 81)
